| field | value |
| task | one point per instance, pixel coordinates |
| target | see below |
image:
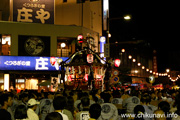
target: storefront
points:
(24, 72)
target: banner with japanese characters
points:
(33, 11)
(31, 63)
(33, 45)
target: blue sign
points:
(30, 63)
(102, 42)
(116, 79)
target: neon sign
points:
(30, 63)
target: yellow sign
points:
(115, 79)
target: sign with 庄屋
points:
(33, 11)
(31, 63)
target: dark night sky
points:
(156, 22)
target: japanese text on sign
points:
(38, 12)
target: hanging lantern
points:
(151, 79)
(80, 38)
(117, 62)
(90, 58)
(53, 60)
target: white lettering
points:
(24, 15)
(41, 63)
(17, 63)
(42, 15)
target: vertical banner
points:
(105, 14)
(33, 11)
(54, 84)
(33, 45)
(102, 42)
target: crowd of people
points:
(90, 105)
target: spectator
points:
(59, 104)
(125, 94)
(70, 105)
(54, 116)
(159, 95)
(175, 104)
(94, 111)
(139, 111)
(9, 109)
(146, 99)
(5, 101)
(21, 113)
(24, 97)
(165, 107)
(32, 105)
(159, 115)
(178, 113)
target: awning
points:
(44, 83)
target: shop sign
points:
(30, 63)
(33, 11)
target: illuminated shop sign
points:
(31, 63)
(33, 11)
(102, 42)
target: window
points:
(64, 1)
(5, 44)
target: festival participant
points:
(108, 110)
(130, 102)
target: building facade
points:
(38, 28)
(138, 60)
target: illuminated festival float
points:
(84, 69)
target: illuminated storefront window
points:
(20, 84)
(5, 44)
(31, 84)
(1, 82)
(65, 46)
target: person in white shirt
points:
(32, 105)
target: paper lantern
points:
(117, 62)
(90, 58)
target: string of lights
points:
(149, 70)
